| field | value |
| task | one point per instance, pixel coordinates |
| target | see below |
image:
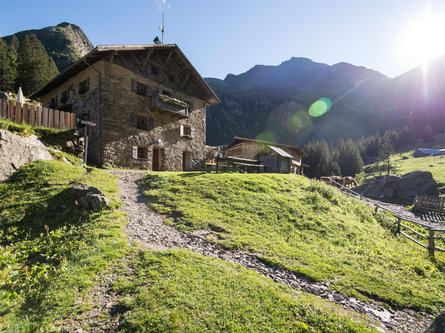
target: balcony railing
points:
(173, 106)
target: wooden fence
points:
(433, 232)
(432, 235)
(36, 116)
(429, 204)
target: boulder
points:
(90, 198)
(402, 187)
(438, 325)
(16, 150)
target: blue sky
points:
(228, 36)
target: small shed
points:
(422, 152)
(276, 157)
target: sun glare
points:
(422, 40)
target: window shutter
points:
(133, 120)
(181, 130)
(150, 123)
(134, 85)
(192, 132)
(148, 91)
(135, 152)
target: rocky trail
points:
(147, 229)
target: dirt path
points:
(147, 228)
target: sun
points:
(423, 40)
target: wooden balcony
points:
(172, 106)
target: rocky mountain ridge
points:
(65, 42)
(272, 102)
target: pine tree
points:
(427, 134)
(349, 158)
(3, 66)
(320, 160)
(8, 64)
(385, 152)
(35, 66)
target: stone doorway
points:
(156, 159)
(186, 159)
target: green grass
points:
(306, 227)
(405, 162)
(180, 291)
(50, 251)
(26, 130)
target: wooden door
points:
(156, 165)
(184, 161)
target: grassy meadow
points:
(51, 252)
(306, 227)
(404, 162)
(52, 255)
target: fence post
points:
(399, 221)
(431, 243)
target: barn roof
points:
(238, 139)
(100, 51)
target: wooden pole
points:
(85, 153)
(431, 243)
(399, 221)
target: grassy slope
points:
(51, 255)
(181, 291)
(306, 227)
(434, 164)
(50, 251)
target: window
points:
(53, 102)
(141, 122)
(144, 123)
(141, 89)
(165, 92)
(143, 153)
(187, 131)
(154, 70)
(83, 86)
(65, 96)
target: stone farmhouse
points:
(276, 157)
(148, 103)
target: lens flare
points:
(267, 136)
(297, 121)
(320, 107)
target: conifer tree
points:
(349, 158)
(385, 152)
(8, 64)
(427, 134)
(35, 66)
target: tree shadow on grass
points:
(192, 174)
(50, 213)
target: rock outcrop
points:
(16, 150)
(438, 325)
(402, 187)
(90, 198)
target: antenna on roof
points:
(162, 28)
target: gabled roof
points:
(238, 139)
(101, 51)
(280, 151)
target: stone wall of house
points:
(120, 137)
(82, 102)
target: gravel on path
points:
(146, 228)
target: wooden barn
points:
(275, 157)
